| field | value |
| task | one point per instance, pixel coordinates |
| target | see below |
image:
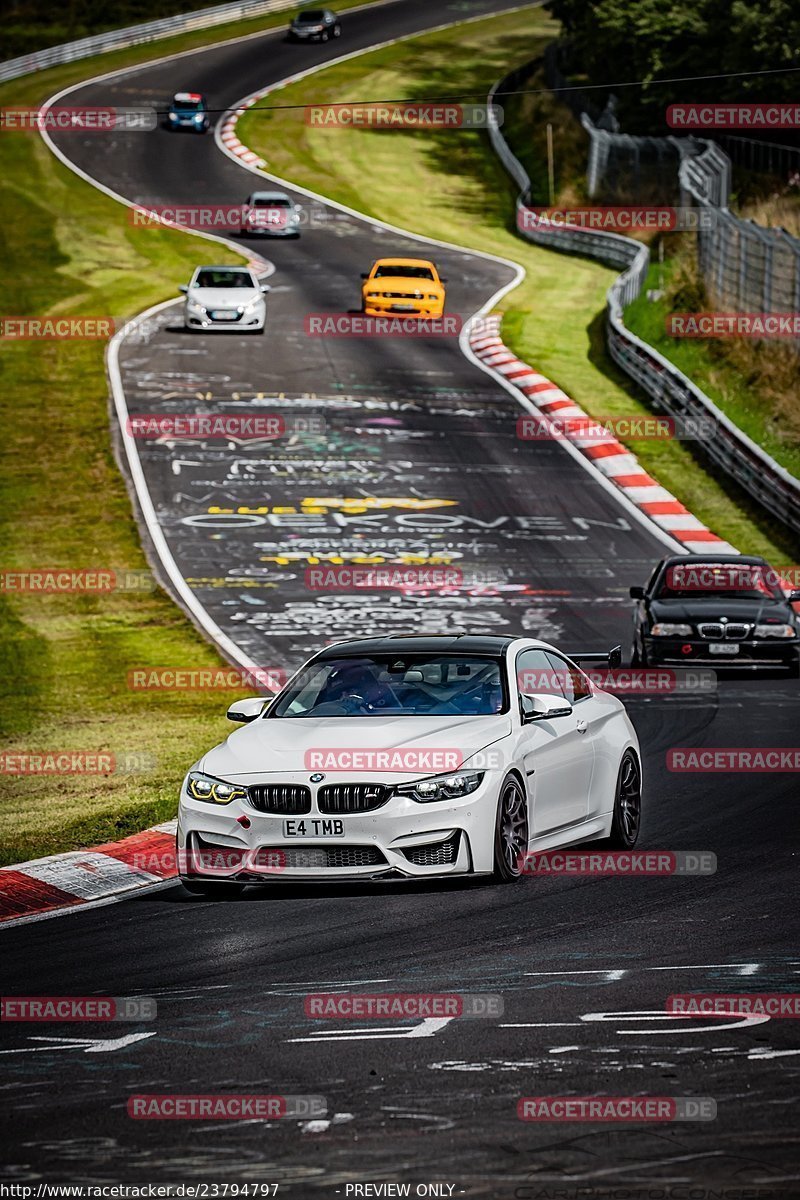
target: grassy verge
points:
(70, 249)
(459, 193)
(754, 383)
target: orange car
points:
(409, 287)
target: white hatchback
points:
(412, 757)
(220, 298)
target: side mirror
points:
(265, 288)
(183, 288)
(615, 657)
(636, 593)
(544, 708)
(794, 596)
(365, 274)
(247, 710)
(442, 279)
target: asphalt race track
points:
(583, 965)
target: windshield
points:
(409, 685)
(311, 16)
(223, 279)
(402, 270)
(745, 581)
(271, 202)
(188, 105)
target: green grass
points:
(70, 249)
(449, 185)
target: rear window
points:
(393, 270)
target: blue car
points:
(188, 110)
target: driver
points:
(352, 680)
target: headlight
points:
(373, 295)
(776, 631)
(215, 791)
(446, 787)
(173, 116)
(666, 629)
(198, 116)
(431, 297)
(195, 306)
(252, 305)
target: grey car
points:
(271, 214)
(315, 25)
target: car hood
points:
(281, 746)
(393, 283)
(711, 608)
(223, 297)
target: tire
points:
(337, 31)
(635, 657)
(324, 36)
(627, 819)
(213, 889)
(511, 831)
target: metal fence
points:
(745, 267)
(766, 158)
(134, 35)
(670, 390)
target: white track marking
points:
(88, 1045)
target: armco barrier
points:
(134, 35)
(670, 390)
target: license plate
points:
(404, 308)
(723, 648)
(224, 314)
(313, 827)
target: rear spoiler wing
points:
(612, 658)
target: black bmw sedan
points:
(719, 611)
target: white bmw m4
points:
(412, 757)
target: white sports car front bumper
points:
(403, 838)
